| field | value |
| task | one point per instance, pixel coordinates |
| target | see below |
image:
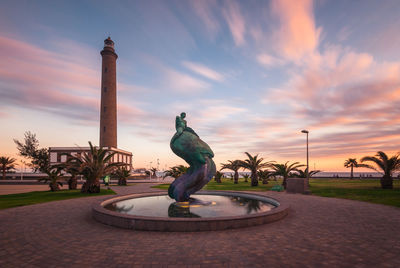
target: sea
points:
(322, 175)
(329, 175)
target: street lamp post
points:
(308, 169)
(158, 167)
(150, 169)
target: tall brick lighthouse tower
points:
(108, 115)
(108, 108)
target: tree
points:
(6, 164)
(253, 163)
(303, 174)
(351, 163)
(73, 168)
(39, 157)
(175, 171)
(218, 175)
(386, 165)
(234, 166)
(285, 170)
(264, 175)
(122, 173)
(246, 177)
(153, 171)
(94, 165)
(54, 177)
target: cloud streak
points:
(38, 79)
(204, 71)
(183, 83)
(235, 20)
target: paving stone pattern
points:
(318, 232)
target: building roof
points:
(87, 149)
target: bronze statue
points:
(188, 145)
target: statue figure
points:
(188, 145)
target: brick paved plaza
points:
(318, 232)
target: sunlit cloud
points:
(347, 99)
(29, 65)
(220, 112)
(268, 60)
(205, 10)
(183, 83)
(55, 83)
(235, 20)
(3, 114)
(297, 35)
(204, 71)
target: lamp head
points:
(304, 131)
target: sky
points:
(249, 74)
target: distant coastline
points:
(329, 174)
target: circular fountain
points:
(206, 211)
(182, 209)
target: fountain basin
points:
(217, 210)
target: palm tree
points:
(264, 175)
(72, 167)
(234, 166)
(246, 177)
(54, 176)
(351, 163)
(386, 165)
(285, 170)
(6, 164)
(122, 173)
(253, 163)
(218, 175)
(303, 174)
(175, 171)
(153, 171)
(94, 165)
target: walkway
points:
(25, 186)
(318, 232)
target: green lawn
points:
(17, 200)
(368, 190)
(363, 190)
(228, 185)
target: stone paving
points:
(318, 232)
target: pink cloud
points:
(204, 71)
(26, 64)
(183, 83)
(130, 113)
(268, 60)
(348, 101)
(235, 20)
(3, 114)
(57, 83)
(205, 10)
(297, 34)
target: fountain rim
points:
(150, 223)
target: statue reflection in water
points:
(181, 210)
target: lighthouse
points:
(108, 115)
(108, 108)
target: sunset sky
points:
(249, 74)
